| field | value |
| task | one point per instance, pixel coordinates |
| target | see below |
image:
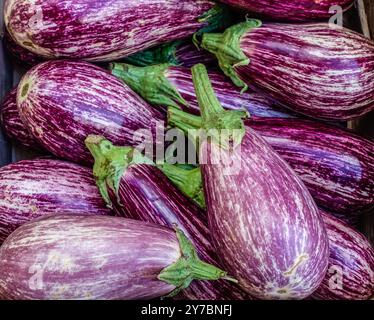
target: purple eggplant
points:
(264, 223)
(12, 123)
(105, 30)
(95, 257)
(313, 69)
(139, 190)
(351, 268)
(291, 10)
(166, 85)
(34, 188)
(62, 102)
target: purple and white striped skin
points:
(313, 69)
(62, 102)
(335, 164)
(290, 10)
(351, 264)
(264, 223)
(187, 55)
(12, 123)
(145, 193)
(88, 257)
(101, 30)
(31, 189)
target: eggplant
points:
(313, 69)
(167, 85)
(264, 223)
(68, 257)
(291, 10)
(12, 123)
(31, 189)
(62, 102)
(105, 30)
(138, 189)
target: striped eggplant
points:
(12, 123)
(172, 86)
(137, 189)
(63, 101)
(264, 222)
(31, 189)
(351, 268)
(94, 257)
(313, 69)
(106, 30)
(291, 10)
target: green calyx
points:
(110, 164)
(150, 83)
(226, 47)
(189, 267)
(187, 181)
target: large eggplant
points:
(291, 10)
(96, 257)
(62, 102)
(264, 223)
(313, 69)
(34, 188)
(12, 123)
(105, 30)
(137, 189)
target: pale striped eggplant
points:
(291, 10)
(31, 189)
(351, 268)
(94, 257)
(137, 189)
(313, 69)
(264, 223)
(166, 85)
(63, 101)
(105, 30)
(12, 123)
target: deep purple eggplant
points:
(105, 30)
(291, 10)
(12, 123)
(166, 85)
(139, 190)
(313, 69)
(34, 188)
(94, 257)
(264, 223)
(351, 268)
(62, 102)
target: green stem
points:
(189, 267)
(183, 120)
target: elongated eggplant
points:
(265, 224)
(105, 30)
(96, 257)
(62, 102)
(291, 10)
(31, 189)
(12, 123)
(166, 85)
(313, 69)
(137, 189)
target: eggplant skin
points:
(12, 123)
(100, 30)
(269, 235)
(335, 164)
(290, 10)
(62, 102)
(85, 258)
(31, 189)
(351, 264)
(313, 69)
